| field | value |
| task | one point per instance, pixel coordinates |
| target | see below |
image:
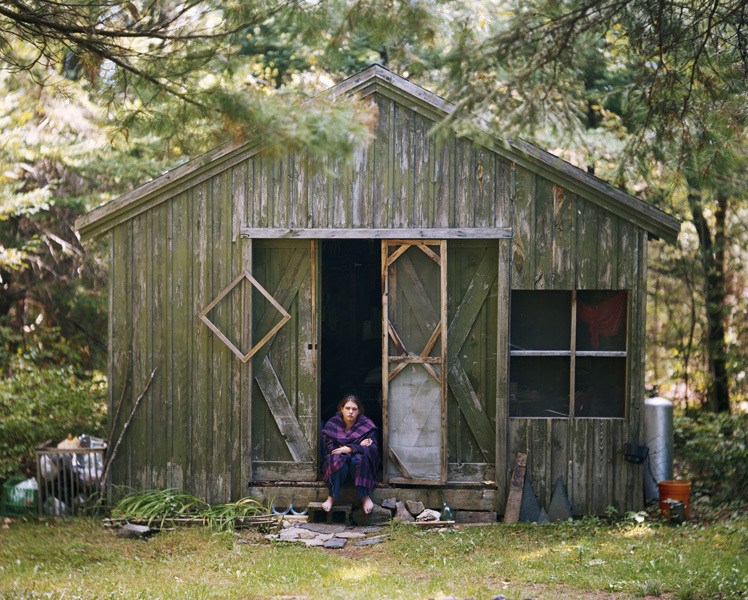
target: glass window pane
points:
(600, 387)
(539, 386)
(601, 320)
(541, 320)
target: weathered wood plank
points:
(513, 503)
(523, 249)
(502, 370)
(361, 187)
(306, 343)
(382, 171)
(484, 186)
(387, 234)
(625, 254)
(443, 183)
(247, 376)
(422, 200)
(402, 208)
(120, 344)
(160, 351)
(222, 358)
(586, 245)
(283, 197)
(237, 198)
(463, 201)
(182, 339)
(607, 244)
(503, 193)
(263, 175)
(141, 351)
(564, 239)
(340, 198)
(602, 464)
(544, 234)
(201, 401)
(581, 459)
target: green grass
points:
(584, 559)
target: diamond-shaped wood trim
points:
(204, 316)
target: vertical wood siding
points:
(167, 265)
(403, 179)
(563, 242)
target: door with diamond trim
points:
(284, 371)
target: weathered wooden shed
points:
(483, 300)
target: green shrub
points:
(711, 450)
(46, 403)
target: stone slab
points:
(529, 511)
(134, 532)
(390, 503)
(314, 542)
(560, 508)
(414, 507)
(402, 513)
(369, 542)
(323, 527)
(350, 535)
(335, 543)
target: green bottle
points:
(447, 512)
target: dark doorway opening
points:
(351, 343)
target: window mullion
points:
(573, 348)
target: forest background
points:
(99, 96)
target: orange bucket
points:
(670, 491)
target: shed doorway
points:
(351, 323)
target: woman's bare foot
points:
(327, 504)
(368, 505)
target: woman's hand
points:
(366, 442)
(342, 450)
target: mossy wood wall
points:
(194, 427)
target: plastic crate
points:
(17, 502)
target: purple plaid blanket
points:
(334, 436)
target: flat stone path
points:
(327, 535)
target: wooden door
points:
(414, 369)
(284, 387)
(473, 361)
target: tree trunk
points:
(713, 261)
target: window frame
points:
(573, 353)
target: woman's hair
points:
(351, 398)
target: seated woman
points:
(351, 452)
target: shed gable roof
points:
(377, 79)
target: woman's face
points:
(350, 412)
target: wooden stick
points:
(119, 404)
(113, 453)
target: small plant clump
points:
(171, 506)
